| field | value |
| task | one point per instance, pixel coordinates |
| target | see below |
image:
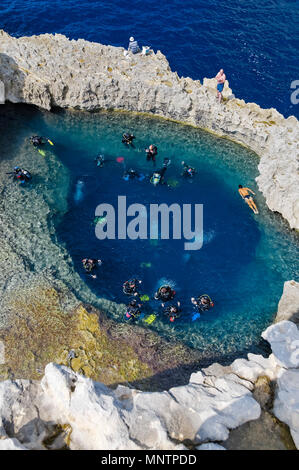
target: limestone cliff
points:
(51, 70)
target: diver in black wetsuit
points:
(128, 139)
(133, 310)
(100, 160)
(173, 311)
(130, 287)
(151, 153)
(203, 303)
(90, 265)
(36, 140)
(20, 174)
(188, 170)
(165, 294)
(132, 174)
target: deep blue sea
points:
(256, 42)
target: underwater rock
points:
(51, 70)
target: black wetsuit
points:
(151, 153)
(37, 140)
(203, 307)
(90, 265)
(131, 174)
(188, 171)
(22, 175)
(100, 160)
(158, 176)
(172, 312)
(128, 139)
(165, 296)
(133, 310)
(130, 287)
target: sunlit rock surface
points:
(51, 70)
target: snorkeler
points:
(151, 153)
(132, 174)
(130, 287)
(133, 310)
(202, 303)
(165, 294)
(173, 311)
(128, 139)
(22, 175)
(188, 170)
(244, 193)
(90, 265)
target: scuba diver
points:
(128, 139)
(151, 153)
(130, 287)
(158, 175)
(90, 265)
(132, 174)
(173, 311)
(100, 160)
(203, 303)
(133, 310)
(188, 170)
(22, 175)
(164, 293)
(37, 141)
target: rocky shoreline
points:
(52, 71)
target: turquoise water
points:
(244, 260)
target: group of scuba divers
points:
(157, 176)
(22, 175)
(165, 294)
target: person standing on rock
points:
(220, 77)
(133, 46)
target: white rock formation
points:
(50, 70)
(288, 307)
(91, 416)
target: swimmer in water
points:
(244, 193)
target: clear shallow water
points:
(244, 260)
(255, 42)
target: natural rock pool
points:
(48, 230)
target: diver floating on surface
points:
(203, 303)
(165, 294)
(132, 174)
(128, 139)
(173, 311)
(130, 287)
(133, 311)
(188, 170)
(151, 153)
(90, 264)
